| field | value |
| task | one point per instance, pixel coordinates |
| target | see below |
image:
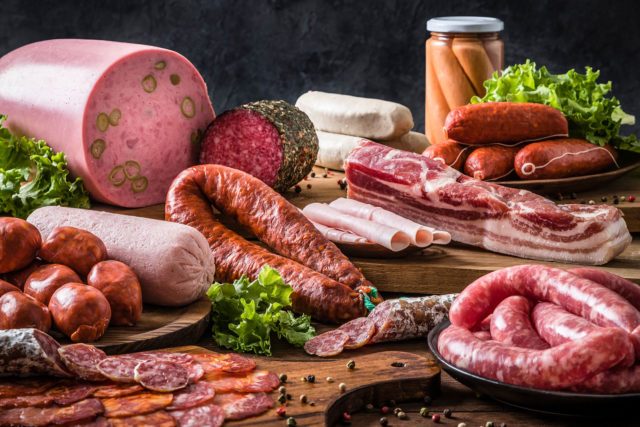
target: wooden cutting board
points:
(374, 380)
(159, 327)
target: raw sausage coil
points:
(323, 280)
(511, 325)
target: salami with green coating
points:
(271, 140)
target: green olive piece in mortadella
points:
(174, 79)
(188, 107)
(149, 83)
(97, 148)
(117, 176)
(139, 184)
(160, 65)
(131, 169)
(102, 122)
(114, 117)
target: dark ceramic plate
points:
(543, 401)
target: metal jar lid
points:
(465, 24)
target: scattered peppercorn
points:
(311, 378)
(592, 202)
(631, 199)
(329, 379)
(384, 421)
(398, 364)
(291, 422)
(324, 175)
(462, 425)
(297, 188)
(623, 199)
(289, 397)
(312, 403)
(427, 400)
(282, 398)
(283, 378)
(424, 412)
(351, 364)
(435, 418)
(281, 411)
(309, 186)
(384, 410)
(616, 201)
(370, 407)
(313, 174)
(282, 389)
(396, 411)
(489, 424)
(343, 184)
(303, 398)
(346, 417)
(342, 387)
(447, 413)
(402, 415)
(303, 379)
(503, 424)
(604, 198)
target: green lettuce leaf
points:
(32, 175)
(245, 313)
(591, 112)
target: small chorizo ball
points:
(45, 280)
(73, 247)
(18, 310)
(81, 312)
(19, 243)
(6, 287)
(120, 285)
(18, 277)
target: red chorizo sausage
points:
(75, 248)
(490, 162)
(278, 224)
(534, 368)
(120, 285)
(19, 243)
(449, 152)
(504, 123)
(18, 310)
(45, 280)
(629, 290)
(6, 287)
(19, 277)
(81, 312)
(511, 325)
(562, 158)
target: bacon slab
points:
(500, 219)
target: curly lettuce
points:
(245, 313)
(592, 114)
(32, 175)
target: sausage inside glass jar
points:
(18, 310)
(81, 312)
(121, 287)
(19, 243)
(75, 248)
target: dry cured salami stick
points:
(321, 286)
(511, 324)
(26, 352)
(534, 368)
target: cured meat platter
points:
(158, 327)
(543, 401)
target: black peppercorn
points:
(311, 378)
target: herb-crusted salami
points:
(28, 351)
(271, 140)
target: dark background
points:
(261, 49)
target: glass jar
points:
(462, 52)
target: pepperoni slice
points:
(328, 344)
(36, 401)
(228, 362)
(82, 360)
(252, 382)
(117, 390)
(67, 394)
(193, 395)
(196, 371)
(119, 368)
(155, 419)
(137, 404)
(201, 416)
(85, 410)
(360, 331)
(238, 406)
(161, 375)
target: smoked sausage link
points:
(504, 123)
(449, 152)
(511, 324)
(120, 285)
(18, 310)
(79, 311)
(75, 248)
(19, 243)
(45, 280)
(542, 369)
(321, 276)
(562, 158)
(6, 287)
(490, 162)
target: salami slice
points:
(229, 362)
(119, 368)
(25, 387)
(35, 401)
(67, 394)
(179, 358)
(82, 360)
(161, 375)
(193, 395)
(196, 371)
(117, 390)
(29, 351)
(202, 416)
(360, 331)
(137, 404)
(237, 406)
(328, 344)
(82, 411)
(155, 419)
(252, 382)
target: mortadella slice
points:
(127, 116)
(420, 235)
(383, 235)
